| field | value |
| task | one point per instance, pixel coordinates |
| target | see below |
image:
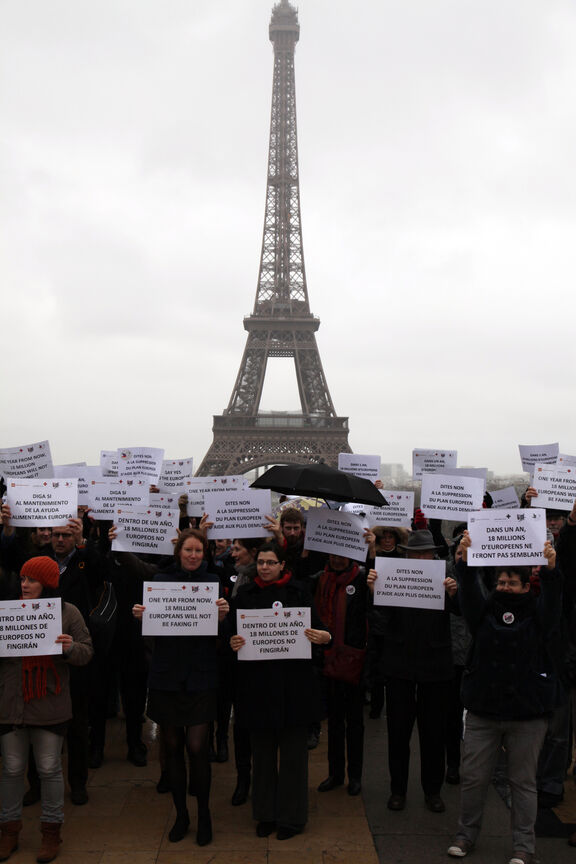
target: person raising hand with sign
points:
(509, 688)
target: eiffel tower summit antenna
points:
(281, 324)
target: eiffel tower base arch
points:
(268, 439)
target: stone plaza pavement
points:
(127, 821)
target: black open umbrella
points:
(320, 481)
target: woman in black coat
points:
(342, 603)
(277, 700)
(182, 694)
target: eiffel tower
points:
(281, 324)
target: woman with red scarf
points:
(341, 601)
(35, 707)
(277, 700)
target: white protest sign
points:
(83, 473)
(30, 460)
(398, 513)
(274, 634)
(60, 470)
(556, 486)
(163, 499)
(432, 461)
(507, 537)
(180, 609)
(239, 513)
(361, 510)
(109, 463)
(140, 462)
(445, 497)
(41, 502)
(30, 627)
(337, 533)
(482, 473)
(507, 497)
(107, 494)
(361, 466)
(564, 459)
(405, 582)
(197, 487)
(530, 454)
(174, 472)
(142, 529)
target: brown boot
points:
(50, 842)
(9, 832)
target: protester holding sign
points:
(509, 688)
(35, 707)
(128, 573)
(16, 547)
(277, 700)
(183, 692)
(383, 541)
(244, 552)
(555, 519)
(341, 601)
(416, 661)
(82, 573)
(289, 531)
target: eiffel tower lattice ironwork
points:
(281, 324)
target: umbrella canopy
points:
(318, 480)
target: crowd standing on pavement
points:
(500, 654)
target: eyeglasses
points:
(267, 563)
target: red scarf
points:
(35, 677)
(282, 581)
(331, 599)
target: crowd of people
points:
(499, 653)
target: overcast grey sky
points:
(436, 142)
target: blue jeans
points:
(47, 747)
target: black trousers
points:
(77, 735)
(425, 703)
(345, 729)
(455, 711)
(280, 775)
(133, 674)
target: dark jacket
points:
(510, 675)
(414, 644)
(377, 617)
(184, 662)
(82, 582)
(273, 694)
(356, 626)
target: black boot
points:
(204, 830)
(180, 827)
(240, 795)
(222, 750)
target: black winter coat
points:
(274, 694)
(184, 662)
(414, 644)
(510, 674)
